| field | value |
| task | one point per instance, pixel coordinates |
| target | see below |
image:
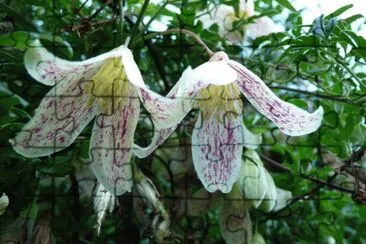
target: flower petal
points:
(270, 200)
(59, 119)
(290, 119)
(252, 180)
(283, 199)
(111, 145)
(216, 150)
(251, 140)
(158, 138)
(48, 69)
(4, 203)
(102, 201)
(263, 26)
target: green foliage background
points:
(329, 55)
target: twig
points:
(121, 17)
(327, 184)
(184, 31)
(323, 183)
(274, 163)
(90, 24)
(100, 9)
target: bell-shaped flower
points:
(224, 16)
(106, 88)
(219, 134)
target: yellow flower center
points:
(218, 99)
(109, 86)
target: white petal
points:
(263, 26)
(283, 199)
(247, 7)
(59, 119)
(48, 69)
(209, 73)
(251, 141)
(132, 70)
(111, 146)
(290, 119)
(103, 199)
(252, 180)
(270, 200)
(217, 149)
(158, 138)
(4, 203)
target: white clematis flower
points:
(224, 16)
(106, 88)
(219, 134)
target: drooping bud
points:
(258, 239)
(148, 198)
(103, 202)
(270, 199)
(4, 203)
(252, 180)
(283, 199)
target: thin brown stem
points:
(184, 31)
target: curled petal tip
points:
(219, 56)
(224, 188)
(313, 123)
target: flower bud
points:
(148, 197)
(103, 201)
(252, 180)
(270, 199)
(4, 202)
(258, 239)
(283, 198)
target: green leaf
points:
(287, 5)
(339, 11)
(23, 39)
(352, 19)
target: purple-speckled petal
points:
(58, 120)
(216, 150)
(48, 69)
(290, 119)
(111, 145)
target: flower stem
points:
(184, 31)
(139, 19)
(121, 17)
